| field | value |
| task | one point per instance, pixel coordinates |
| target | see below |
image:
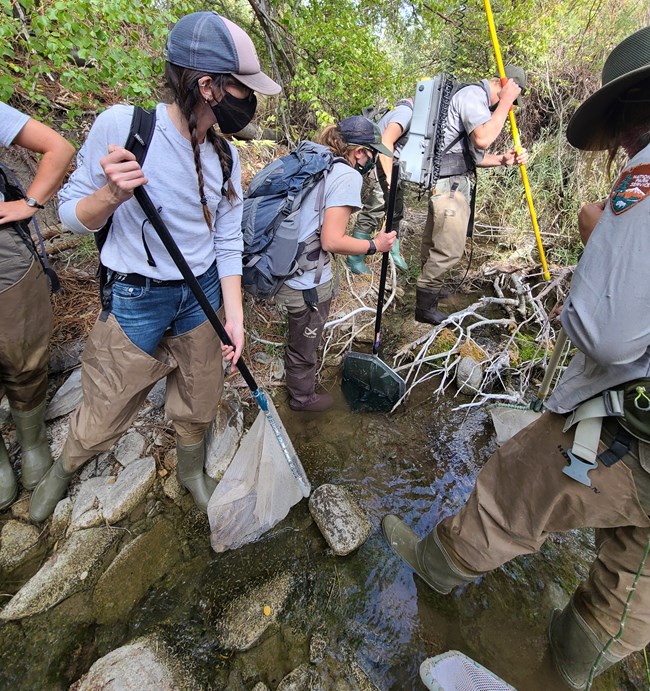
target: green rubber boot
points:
(8, 484)
(36, 457)
(576, 649)
(427, 557)
(399, 260)
(189, 469)
(49, 491)
(357, 262)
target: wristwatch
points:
(30, 201)
(372, 249)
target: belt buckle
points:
(579, 468)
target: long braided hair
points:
(184, 86)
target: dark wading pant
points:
(522, 495)
(305, 332)
(25, 328)
(374, 196)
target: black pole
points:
(390, 212)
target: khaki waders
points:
(520, 497)
(116, 377)
(26, 323)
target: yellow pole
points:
(515, 136)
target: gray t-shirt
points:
(11, 122)
(606, 313)
(402, 115)
(15, 257)
(342, 188)
(173, 187)
(469, 108)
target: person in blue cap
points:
(357, 141)
(155, 328)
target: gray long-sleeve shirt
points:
(607, 313)
(173, 188)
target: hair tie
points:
(204, 201)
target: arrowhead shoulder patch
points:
(631, 188)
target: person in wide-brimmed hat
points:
(560, 473)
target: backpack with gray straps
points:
(273, 252)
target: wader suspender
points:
(588, 418)
(22, 228)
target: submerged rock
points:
(341, 521)
(303, 677)
(139, 666)
(73, 568)
(249, 616)
(139, 564)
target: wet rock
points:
(139, 564)
(173, 488)
(130, 448)
(469, 376)
(317, 648)
(249, 616)
(341, 521)
(141, 665)
(18, 544)
(302, 678)
(20, 508)
(223, 435)
(359, 678)
(156, 396)
(61, 518)
(75, 567)
(100, 501)
(67, 397)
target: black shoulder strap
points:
(143, 124)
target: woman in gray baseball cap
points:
(151, 326)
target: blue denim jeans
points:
(146, 313)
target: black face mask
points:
(367, 166)
(233, 114)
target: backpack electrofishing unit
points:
(421, 157)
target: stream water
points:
(369, 607)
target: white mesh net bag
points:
(453, 671)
